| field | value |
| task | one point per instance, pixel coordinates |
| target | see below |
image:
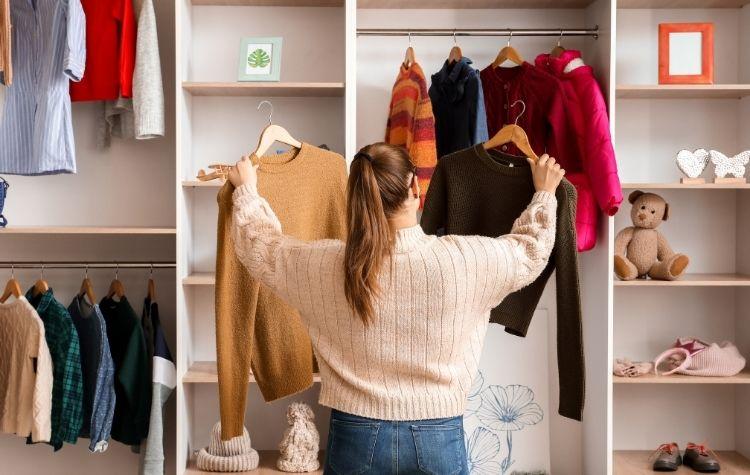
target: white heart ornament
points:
(734, 166)
(692, 164)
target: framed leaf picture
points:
(260, 59)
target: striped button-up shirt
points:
(49, 49)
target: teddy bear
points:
(301, 441)
(641, 250)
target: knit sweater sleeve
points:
(522, 255)
(435, 206)
(267, 253)
(41, 430)
(570, 359)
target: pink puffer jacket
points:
(595, 175)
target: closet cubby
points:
(708, 222)
(218, 122)
(572, 447)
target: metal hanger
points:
(508, 53)
(273, 133)
(13, 287)
(513, 133)
(151, 286)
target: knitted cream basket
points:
(233, 455)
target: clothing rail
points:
(511, 32)
(87, 265)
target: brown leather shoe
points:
(667, 458)
(701, 459)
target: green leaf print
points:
(258, 59)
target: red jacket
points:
(594, 173)
(110, 51)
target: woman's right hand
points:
(546, 173)
(244, 173)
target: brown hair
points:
(377, 188)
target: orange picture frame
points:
(706, 75)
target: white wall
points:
(131, 184)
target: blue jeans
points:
(358, 445)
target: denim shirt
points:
(98, 373)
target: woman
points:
(397, 318)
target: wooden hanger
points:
(13, 287)
(455, 55)
(273, 133)
(557, 50)
(151, 294)
(513, 133)
(409, 57)
(87, 289)
(116, 289)
(508, 53)
(40, 286)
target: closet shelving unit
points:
(117, 209)
(217, 122)
(708, 222)
(84, 230)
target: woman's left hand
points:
(244, 173)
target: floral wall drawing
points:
(504, 420)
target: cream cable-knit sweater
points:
(418, 358)
(25, 372)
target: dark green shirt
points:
(67, 384)
(132, 371)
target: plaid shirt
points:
(67, 386)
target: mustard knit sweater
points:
(254, 327)
(419, 357)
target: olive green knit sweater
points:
(474, 192)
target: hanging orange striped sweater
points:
(411, 123)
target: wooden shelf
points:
(200, 278)
(272, 3)
(683, 91)
(636, 462)
(204, 372)
(681, 3)
(680, 186)
(691, 280)
(54, 230)
(265, 89)
(742, 378)
(463, 4)
(202, 184)
(267, 465)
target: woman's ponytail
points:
(378, 186)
